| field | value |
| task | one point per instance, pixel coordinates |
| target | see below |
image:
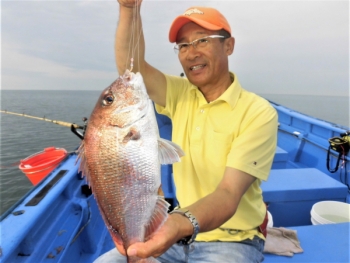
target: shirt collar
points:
(230, 96)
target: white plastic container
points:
(330, 212)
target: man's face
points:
(204, 66)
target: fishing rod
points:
(73, 126)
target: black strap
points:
(328, 160)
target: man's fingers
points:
(129, 3)
(150, 248)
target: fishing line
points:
(136, 33)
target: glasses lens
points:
(201, 43)
(181, 48)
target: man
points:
(227, 134)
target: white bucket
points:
(330, 212)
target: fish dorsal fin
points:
(83, 168)
(159, 215)
(169, 152)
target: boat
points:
(58, 220)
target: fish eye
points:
(108, 100)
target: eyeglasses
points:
(197, 44)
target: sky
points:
(282, 47)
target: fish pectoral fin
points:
(159, 216)
(169, 152)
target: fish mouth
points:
(197, 67)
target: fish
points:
(120, 157)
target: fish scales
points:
(121, 155)
(122, 204)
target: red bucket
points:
(37, 166)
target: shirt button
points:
(197, 128)
(202, 111)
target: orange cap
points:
(206, 17)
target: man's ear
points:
(229, 45)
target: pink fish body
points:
(121, 155)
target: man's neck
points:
(211, 92)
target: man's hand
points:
(130, 3)
(174, 228)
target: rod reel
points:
(341, 145)
(74, 128)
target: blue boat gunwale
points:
(310, 119)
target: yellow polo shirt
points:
(239, 130)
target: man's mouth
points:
(197, 67)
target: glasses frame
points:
(194, 43)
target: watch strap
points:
(189, 239)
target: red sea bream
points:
(121, 155)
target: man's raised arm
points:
(130, 43)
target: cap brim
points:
(182, 20)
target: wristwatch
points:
(189, 239)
